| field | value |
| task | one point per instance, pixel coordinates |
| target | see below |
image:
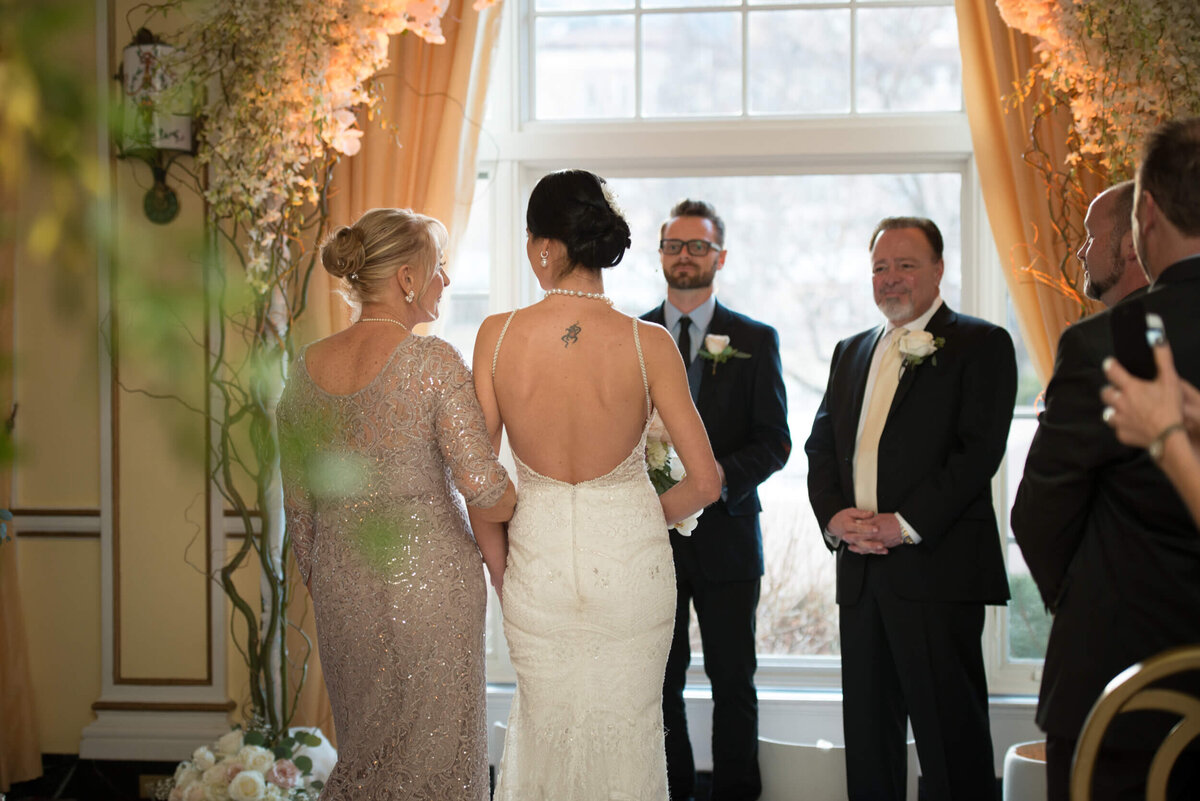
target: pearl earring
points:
(545, 254)
(410, 296)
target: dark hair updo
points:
(573, 207)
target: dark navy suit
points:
(718, 568)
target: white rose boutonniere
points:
(718, 350)
(917, 346)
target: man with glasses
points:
(737, 383)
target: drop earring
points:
(410, 296)
(545, 254)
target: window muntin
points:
(671, 59)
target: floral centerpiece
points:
(1118, 68)
(238, 766)
(665, 469)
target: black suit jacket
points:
(1108, 540)
(744, 408)
(943, 440)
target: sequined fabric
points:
(372, 484)
(589, 609)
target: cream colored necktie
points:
(866, 455)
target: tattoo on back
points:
(572, 334)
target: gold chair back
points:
(1130, 691)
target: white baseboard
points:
(150, 735)
(800, 716)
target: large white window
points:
(804, 123)
(655, 59)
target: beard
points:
(700, 279)
(1094, 286)
(897, 309)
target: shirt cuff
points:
(905, 528)
(832, 539)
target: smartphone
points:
(1134, 334)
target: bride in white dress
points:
(589, 589)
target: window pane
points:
(691, 64)
(1029, 386)
(466, 301)
(799, 62)
(1028, 621)
(688, 3)
(798, 260)
(584, 67)
(581, 5)
(908, 60)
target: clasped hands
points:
(867, 532)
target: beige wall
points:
(154, 455)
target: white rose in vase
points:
(194, 792)
(249, 785)
(255, 757)
(230, 743)
(203, 758)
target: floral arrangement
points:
(1121, 66)
(1118, 68)
(665, 469)
(917, 346)
(238, 767)
(718, 350)
(287, 78)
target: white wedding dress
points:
(589, 609)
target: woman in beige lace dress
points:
(589, 591)
(382, 442)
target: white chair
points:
(1025, 772)
(813, 771)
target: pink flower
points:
(285, 774)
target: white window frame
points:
(517, 151)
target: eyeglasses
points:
(695, 247)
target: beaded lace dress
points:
(589, 609)
(374, 488)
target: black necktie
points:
(685, 339)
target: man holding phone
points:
(1110, 544)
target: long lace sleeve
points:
(298, 509)
(463, 438)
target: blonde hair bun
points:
(344, 253)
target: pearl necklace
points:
(382, 320)
(580, 294)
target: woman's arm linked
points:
(701, 484)
(491, 536)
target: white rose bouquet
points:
(239, 767)
(665, 469)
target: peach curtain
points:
(425, 162)
(995, 59)
(20, 748)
